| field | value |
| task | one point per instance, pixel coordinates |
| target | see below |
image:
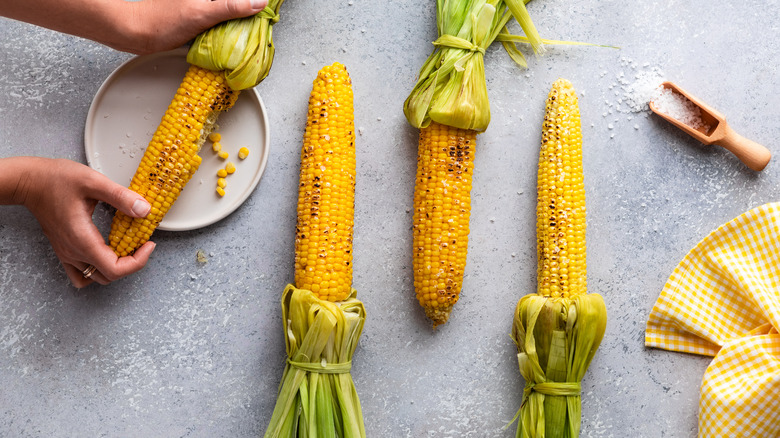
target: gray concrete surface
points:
(188, 349)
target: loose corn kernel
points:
(216, 146)
(215, 137)
(560, 208)
(220, 191)
(442, 206)
(222, 173)
(326, 195)
(243, 152)
(221, 182)
(172, 157)
(223, 154)
(230, 167)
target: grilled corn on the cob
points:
(172, 157)
(558, 329)
(442, 206)
(322, 323)
(326, 195)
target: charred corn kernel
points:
(243, 152)
(326, 196)
(223, 154)
(215, 137)
(172, 155)
(230, 168)
(220, 191)
(222, 173)
(221, 183)
(442, 205)
(216, 146)
(560, 208)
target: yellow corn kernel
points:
(215, 137)
(221, 183)
(560, 208)
(442, 206)
(216, 146)
(326, 195)
(172, 157)
(222, 173)
(243, 152)
(230, 168)
(220, 191)
(223, 154)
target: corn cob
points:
(322, 325)
(326, 197)
(449, 104)
(558, 329)
(560, 208)
(172, 156)
(442, 206)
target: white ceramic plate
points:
(125, 113)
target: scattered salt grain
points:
(679, 108)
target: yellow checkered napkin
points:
(723, 300)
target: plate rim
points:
(89, 128)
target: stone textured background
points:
(189, 349)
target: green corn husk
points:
(317, 397)
(243, 47)
(556, 340)
(451, 88)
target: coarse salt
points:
(678, 107)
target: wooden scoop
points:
(754, 155)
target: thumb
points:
(124, 199)
(230, 9)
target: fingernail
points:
(257, 4)
(141, 208)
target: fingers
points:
(76, 277)
(124, 199)
(108, 267)
(229, 9)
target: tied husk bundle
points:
(556, 340)
(451, 88)
(317, 397)
(243, 47)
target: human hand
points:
(157, 25)
(62, 195)
(138, 27)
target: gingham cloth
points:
(723, 300)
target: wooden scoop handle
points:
(754, 155)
